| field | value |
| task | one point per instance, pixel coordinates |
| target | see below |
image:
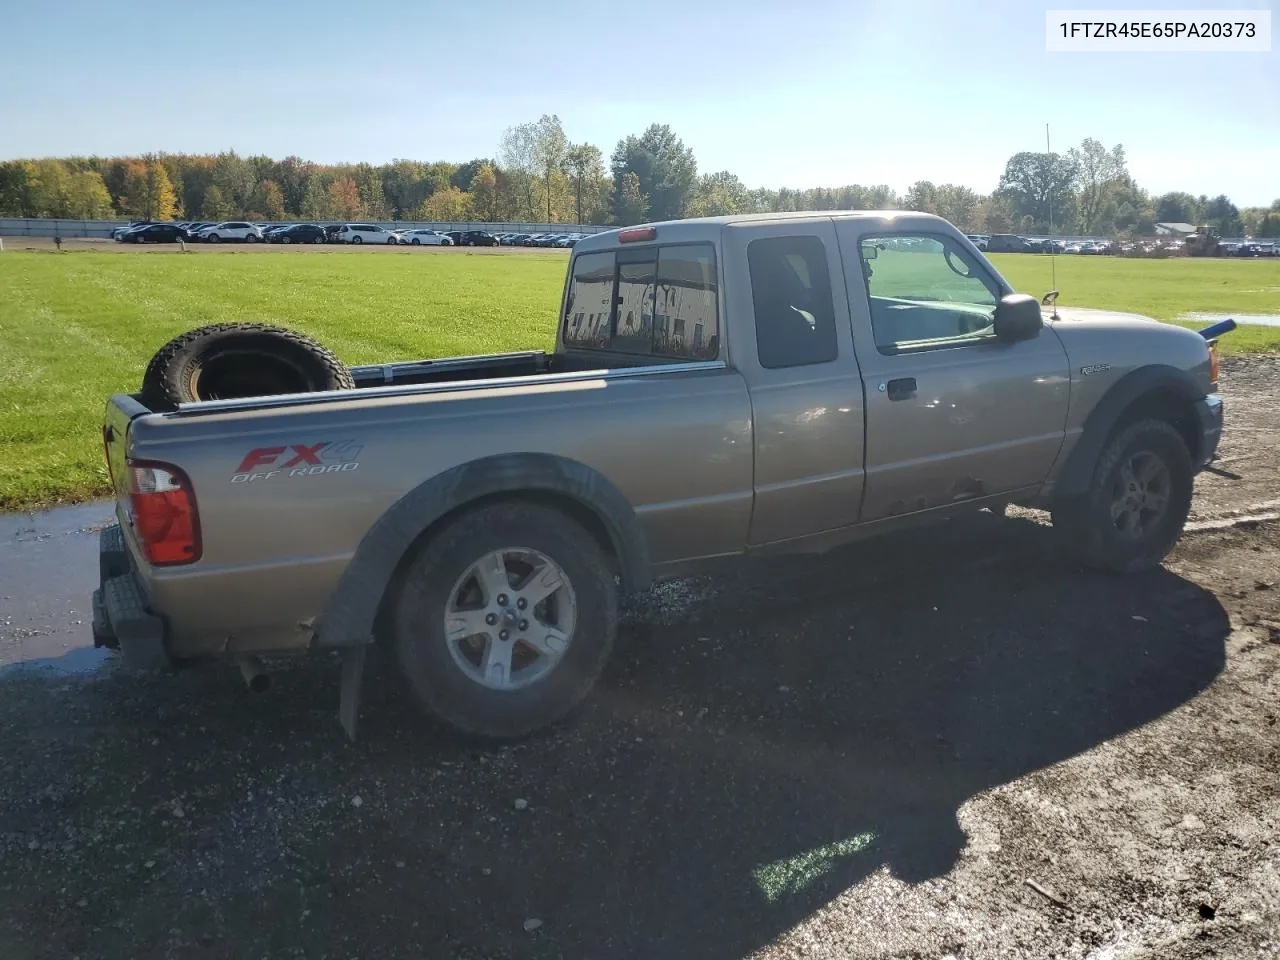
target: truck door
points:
(953, 414)
(791, 342)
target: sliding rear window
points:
(654, 301)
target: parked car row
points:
(244, 231)
(1012, 243)
(540, 239)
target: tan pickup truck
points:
(719, 387)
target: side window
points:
(685, 312)
(588, 320)
(791, 293)
(925, 291)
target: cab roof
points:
(708, 228)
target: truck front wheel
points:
(505, 619)
(1137, 502)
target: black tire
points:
(214, 238)
(1087, 526)
(417, 620)
(415, 242)
(357, 239)
(251, 238)
(227, 360)
(286, 239)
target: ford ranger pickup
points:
(719, 387)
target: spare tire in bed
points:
(228, 360)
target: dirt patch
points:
(867, 754)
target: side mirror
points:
(1017, 318)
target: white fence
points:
(42, 227)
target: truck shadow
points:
(763, 741)
(818, 719)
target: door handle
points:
(904, 388)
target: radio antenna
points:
(1053, 247)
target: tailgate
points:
(122, 409)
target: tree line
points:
(539, 175)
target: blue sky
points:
(791, 93)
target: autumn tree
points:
(291, 174)
(1038, 185)
(235, 177)
(663, 166)
(147, 191)
(959, 205)
(445, 206)
(214, 206)
(196, 176)
(1223, 216)
(1096, 169)
(485, 201)
(550, 147)
(1177, 207)
(17, 188)
(629, 204)
(87, 197)
(315, 201)
(373, 201)
(466, 173)
(720, 194)
(344, 199)
(518, 153)
(922, 197)
(268, 200)
(52, 185)
(585, 165)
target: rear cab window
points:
(658, 301)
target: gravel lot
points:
(952, 743)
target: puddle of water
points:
(79, 661)
(1259, 319)
(48, 572)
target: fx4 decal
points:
(298, 460)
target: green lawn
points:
(75, 327)
(1164, 289)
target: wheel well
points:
(1167, 404)
(587, 518)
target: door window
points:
(925, 291)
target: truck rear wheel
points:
(1137, 502)
(505, 619)
(226, 360)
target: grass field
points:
(76, 327)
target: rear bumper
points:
(1209, 412)
(121, 619)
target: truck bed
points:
(495, 366)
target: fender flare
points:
(349, 618)
(1102, 420)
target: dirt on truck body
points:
(719, 388)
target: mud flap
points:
(349, 692)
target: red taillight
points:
(636, 234)
(162, 510)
